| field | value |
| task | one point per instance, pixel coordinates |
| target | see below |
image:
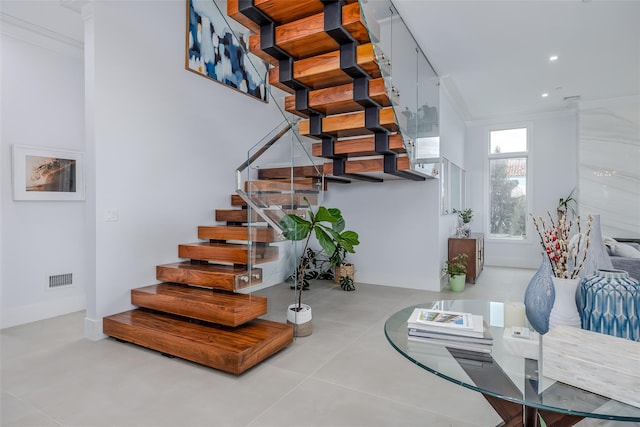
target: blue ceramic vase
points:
(609, 303)
(539, 297)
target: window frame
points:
(488, 156)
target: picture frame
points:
(41, 173)
(217, 48)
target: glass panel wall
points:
(411, 78)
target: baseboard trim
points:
(20, 315)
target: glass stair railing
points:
(376, 114)
(279, 176)
(412, 81)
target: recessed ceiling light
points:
(544, 95)
(553, 58)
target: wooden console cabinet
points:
(473, 246)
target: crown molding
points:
(570, 111)
(39, 36)
(609, 102)
(75, 5)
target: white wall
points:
(403, 237)
(452, 147)
(42, 105)
(397, 221)
(164, 142)
(161, 147)
(552, 167)
(609, 158)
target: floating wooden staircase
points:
(196, 312)
(321, 53)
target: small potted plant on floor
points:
(328, 226)
(464, 217)
(456, 269)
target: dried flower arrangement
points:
(567, 253)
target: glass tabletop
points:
(503, 375)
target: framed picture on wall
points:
(41, 173)
(217, 49)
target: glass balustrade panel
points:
(411, 82)
(278, 178)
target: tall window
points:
(508, 157)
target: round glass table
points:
(509, 382)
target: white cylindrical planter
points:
(301, 320)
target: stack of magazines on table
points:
(460, 332)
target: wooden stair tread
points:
(310, 171)
(299, 184)
(231, 350)
(351, 124)
(239, 233)
(369, 165)
(306, 36)
(324, 70)
(214, 276)
(200, 303)
(279, 11)
(228, 253)
(278, 199)
(359, 146)
(339, 99)
(239, 216)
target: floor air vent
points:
(60, 280)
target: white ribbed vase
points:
(565, 309)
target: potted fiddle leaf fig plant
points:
(456, 269)
(328, 227)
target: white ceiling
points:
(494, 54)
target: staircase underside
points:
(321, 54)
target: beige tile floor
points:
(344, 374)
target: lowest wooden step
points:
(232, 350)
(214, 276)
(200, 303)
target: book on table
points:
(446, 322)
(470, 332)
